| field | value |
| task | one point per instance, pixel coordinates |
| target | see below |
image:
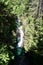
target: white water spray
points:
(21, 37)
(20, 34)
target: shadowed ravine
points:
(30, 58)
(22, 58)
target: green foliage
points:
(15, 6)
(33, 29)
(40, 35)
(6, 37)
(29, 33)
(33, 39)
(4, 56)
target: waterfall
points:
(20, 37)
(19, 51)
(20, 34)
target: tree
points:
(31, 14)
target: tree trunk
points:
(41, 8)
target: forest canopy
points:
(31, 16)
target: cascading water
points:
(20, 37)
(19, 41)
(20, 58)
